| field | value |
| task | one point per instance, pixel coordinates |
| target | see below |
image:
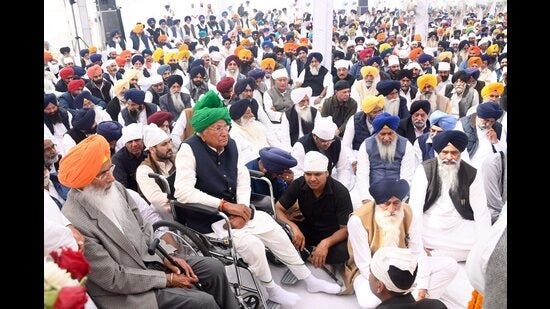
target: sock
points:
(279, 295)
(315, 285)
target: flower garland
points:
(476, 301)
(64, 279)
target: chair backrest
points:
(261, 202)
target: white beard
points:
(432, 98)
(178, 104)
(252, 131)
(448, 174)
(108, 201)
(389, 225)
(314, 70)
(304, 113)
(233, 74)
(184, 65)
(392, 106)
(387, 153)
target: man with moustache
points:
(387, 221)
(300, 119)
(97, 85)
(129, 157)
(385, 155)
(123, 273)
(407, 90)
(175, 101)
(299, 64)
(426, 91)
(277, 99)
(394, 104)
(159, 160)
(317, 77)
(232, 64)
(136, 110)
(157, 89)
(449, 198)
(198, 85)
(417, 123)
(365, 87)
(444, 77)
(84, 125)
(462, 96)
(57, 120)
(340, 106)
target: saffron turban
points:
(489, 110)
(385, 189)
(238, 108)
(298, 94)
(426, 79)
(443, 120)
(369, 70)
(456, 138)
(111, 130)
(157, 54)
(225, 84)
(210, 99)
(315, 161)
(276, 160)
(205, 117)
(395, 267)
(75, 84)
(245, 54)
(94, 70)
(82, 163)
(135, 95)
(48, 56)
(370, 102)
(267, 63)
(490, 88)
(475, 50)
(474, 60)
(120, 61)
(385, 87)
(415, 53)
(385, 120)
(159, 118)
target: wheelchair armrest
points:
(286, 228)
(256, 174)
(198, 207)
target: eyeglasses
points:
(221, 128)
(103, 175)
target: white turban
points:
(393, 60)
(155, 79)
(444, 66)
(342, 63)
(315, 161)
(131, 132)
(153, 135)
(324, 128)
(279, 73)
(403, 272)
(299, 93)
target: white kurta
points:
(249, 145)
(152, 191)
(484, 147)
(56, 232)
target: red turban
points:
(159, 118)
(75, 84)
(225, 84)
(66, 72)
(94, 70)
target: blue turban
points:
(383, 190)
(424, 57)
(443, 120)
(276, 160)
(420, 104)
(79, 99)
(444, 44)
(79, 71)
(196, 70)
(196, 62)
(458, 139)
(315, 55)
(84, 119)
(136, 58)
(374, 59)
(83, 52)
(172, 79)
(256, 73)
(385, 119)
(489, 110)
(111, 130)
(241, 84)
(163, 68)
(95, 57)
(146, 52)
(386, 86)
(50, 98)
(135, 95)
(238, 108)
(472, 72)
(267, 43)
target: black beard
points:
(134, 113)
(54, 117)
(173, 66)
(197, 83)
(98, 82)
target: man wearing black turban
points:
(450, 191)
(417, 123)
(316, 76)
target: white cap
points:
(324, 128)
(443, 66)
(393, 60)
(153, 135)
(342, 63)
(315, 161)
(279, 73)
(298, 94)
(155, 79)
(131, 132)
(216, 56)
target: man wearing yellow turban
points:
(116, 241)
(491, 92)
(367, 85)
(427, 84)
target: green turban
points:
(206, 116)
(209, 99)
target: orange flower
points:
(476, 301)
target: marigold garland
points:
(476, 301)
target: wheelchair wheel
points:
(251, 300)
(185, 239)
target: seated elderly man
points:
(221, 182)
(394, 104)
(417, 123)
(392, 273)
(248, 133)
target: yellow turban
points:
(184, 54)
(476, 60)
(120, 85)
(493, 50)
(490, 88)
(444, 55)
(426, 79)
(245, 42)
(92, 49)
(268, 63)
(372, 101)
(138, 28)
(82, 163)
(237, 50)
(245, 54)
(170, 56)
(383, 47)
(369, 70)
(183, 46)
(157, 54)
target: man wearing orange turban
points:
(116, 238)
(491, 92)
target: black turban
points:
(460, 75)
(385, 87)
(135, 58)
(195, 63)
(374, 59)
(405, 73)
(315, 55)
(420, 104)
(241, 84)
(84, 119)
(238, 108)
(303, 48)
(489, 110)
(172, 79)
(49, 98)
(383, 190)
(458, 139)
(196, 70)
(341, 84)
(276, 160)
(385, 119)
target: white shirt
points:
(248, 144)
(152, 191)
(484, 147)
(56, 232)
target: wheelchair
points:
(188, 241)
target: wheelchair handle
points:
(201, 208)
(255, 173)
(163, 180)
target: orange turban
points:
(490, 88)
(120, 61)
(245, 42)
(82, 163)
(183, 46)
(126, 54)
(304, 42)
(413, 55)
(94, 70)
(475, 50)
(475, 60)
(245, 54)
(267, 63)
(92, 49)
(372, 101)
(426, 79)
(290, 47)
(381, 37)
(48, 56)
(162, 38)
(237, 50)
(369, 70)
(417, 37)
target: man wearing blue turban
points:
(384, 155)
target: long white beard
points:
(387, 152)
(108, 201)
(255, 133)
(448, 174)
(392, 106)
(178, 104)
(389, 225)
(304, 113)
(233, 74)
(314, 70)
(184, 65)
(432, 98)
